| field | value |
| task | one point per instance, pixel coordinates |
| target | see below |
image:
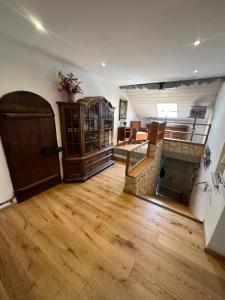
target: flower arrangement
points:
(70, 85)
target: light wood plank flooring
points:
(172, 206)
(93, 241)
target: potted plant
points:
(70, 85)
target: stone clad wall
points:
(183, 147)
(146, 182)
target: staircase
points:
(172, 206)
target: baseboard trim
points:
(210, 251)
(215, 254)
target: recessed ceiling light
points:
(103, 64)
(38, 25)
(197, 43)
(195, 71)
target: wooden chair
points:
(156, 131)
(137, 132)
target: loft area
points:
(112, 150)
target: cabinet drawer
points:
(97, 165)
(72, 168)
(93, 159)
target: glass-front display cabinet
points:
(87, 137)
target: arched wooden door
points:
(27, 130)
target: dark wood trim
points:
(215, 254)
(99, 160)
(96, 171)
(14, 116)
(38, 187)
(98, 151)
(28, 187)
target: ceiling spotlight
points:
(195, 71)
(103, 64)
(39, 26)
(197, 43)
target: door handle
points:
(59, 149)
(47, 151)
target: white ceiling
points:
(140, 40)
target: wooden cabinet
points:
(87, 137)
(123, 134)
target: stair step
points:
(171, 205)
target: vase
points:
(70, 97)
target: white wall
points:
(209, 206)
(23, 68)
(6, 189)
(217, 240)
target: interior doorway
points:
(176, 179)
(175, 184)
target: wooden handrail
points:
(186, 132)
(183, 123)
(138, 146)
(138, 168)
(187, 123)
(183, 141)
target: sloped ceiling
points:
(145, 101)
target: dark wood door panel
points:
(29, 141)
(24, 142)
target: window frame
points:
(170, 113)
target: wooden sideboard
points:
(87, 137)
(123, 134)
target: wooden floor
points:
(93, 241)
(171, 205)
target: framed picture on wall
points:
(197, 111)
(123, 109)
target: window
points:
(167, 110)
